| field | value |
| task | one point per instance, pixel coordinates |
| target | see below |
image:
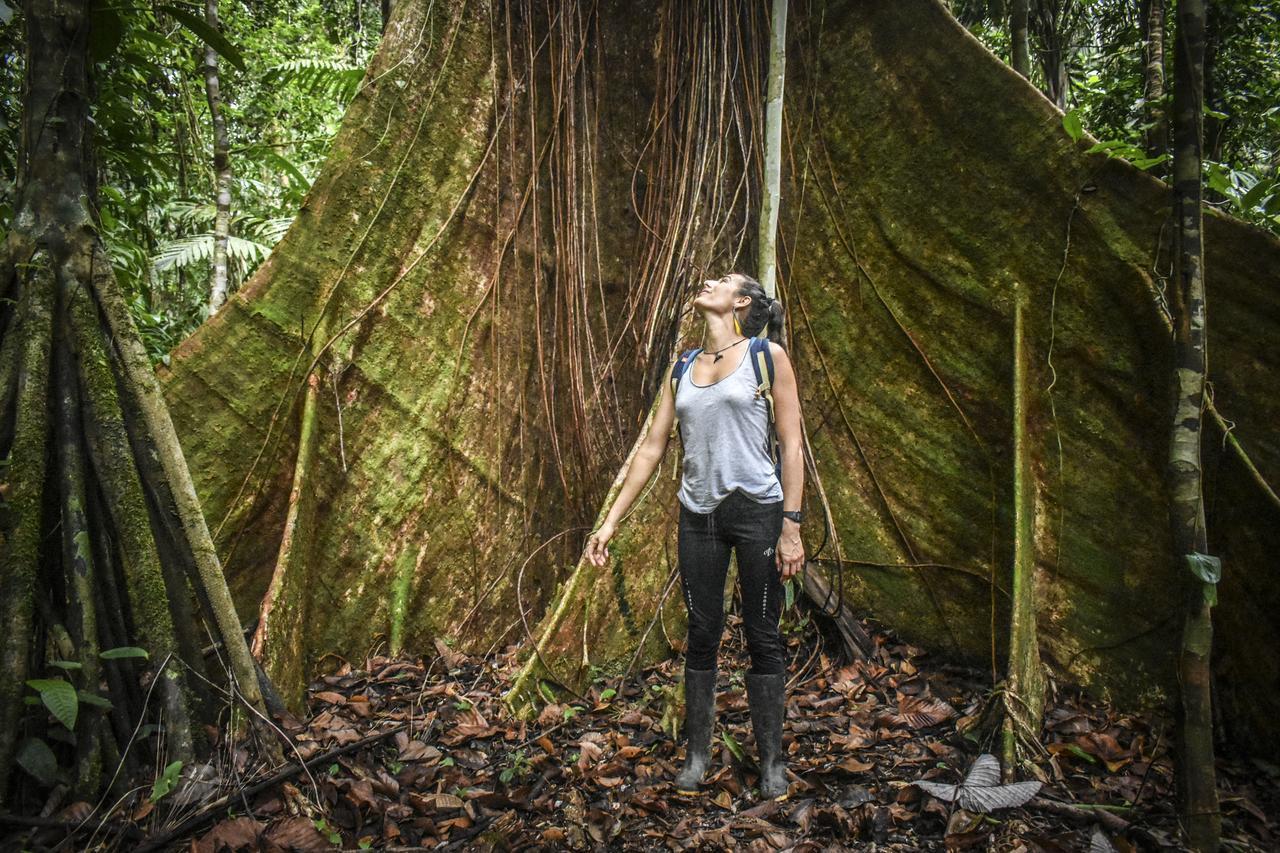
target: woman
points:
(730, 498)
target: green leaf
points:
(1205, 566)
(1148, 162)
(94, 699)
(607, 694)
(59, 697)
(790, 593)
(1105, 146)
(123, 652)
(1071, 123)
(734, 747)
(207, 34)
(66, 664)
(166, 782)
(35, 757)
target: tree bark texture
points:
(500, 248)
(102, 541)
(1019, 35)
(1197, 788)
(1153, 96)
(218, 280)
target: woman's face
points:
(718, 295)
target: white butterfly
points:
(981, 790)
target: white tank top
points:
(725, 430)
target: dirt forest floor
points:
(420, 754)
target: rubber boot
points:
(766, 700)
(699, 717)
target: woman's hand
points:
(597, 550)
(790, 550)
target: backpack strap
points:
(678, 370)
(762, 363)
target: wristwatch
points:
(794, 514)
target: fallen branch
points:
(1083, 812)
(128, 830)
(215, 807)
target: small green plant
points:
(517, 769)
(166, 781)
(324, 828)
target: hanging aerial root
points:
(19, 552)
(160, 606)
(141, 395)
(278, 640)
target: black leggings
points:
(752, 530)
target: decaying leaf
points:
(981, 790)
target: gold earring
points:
(736, 325)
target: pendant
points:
(717, 358)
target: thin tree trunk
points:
(221, 166)
(1153, 90)
(768, 224)
(1018, 32)
(1199, 571)
(1049, 18)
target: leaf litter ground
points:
(422, 754)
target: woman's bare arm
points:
(786, 404)
(646, 459)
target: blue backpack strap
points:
(762, 363)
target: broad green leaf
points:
(1206, 567)
(1071, 123)
(66, 664)
(123, 652)
(59, 697)
(207, 34)
(35, 757)
(166, 782)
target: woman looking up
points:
(731, 498)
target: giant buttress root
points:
(475, 415)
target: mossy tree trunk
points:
(499, 249)
(93, 463)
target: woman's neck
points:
(720, 333)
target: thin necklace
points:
(717, 354)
